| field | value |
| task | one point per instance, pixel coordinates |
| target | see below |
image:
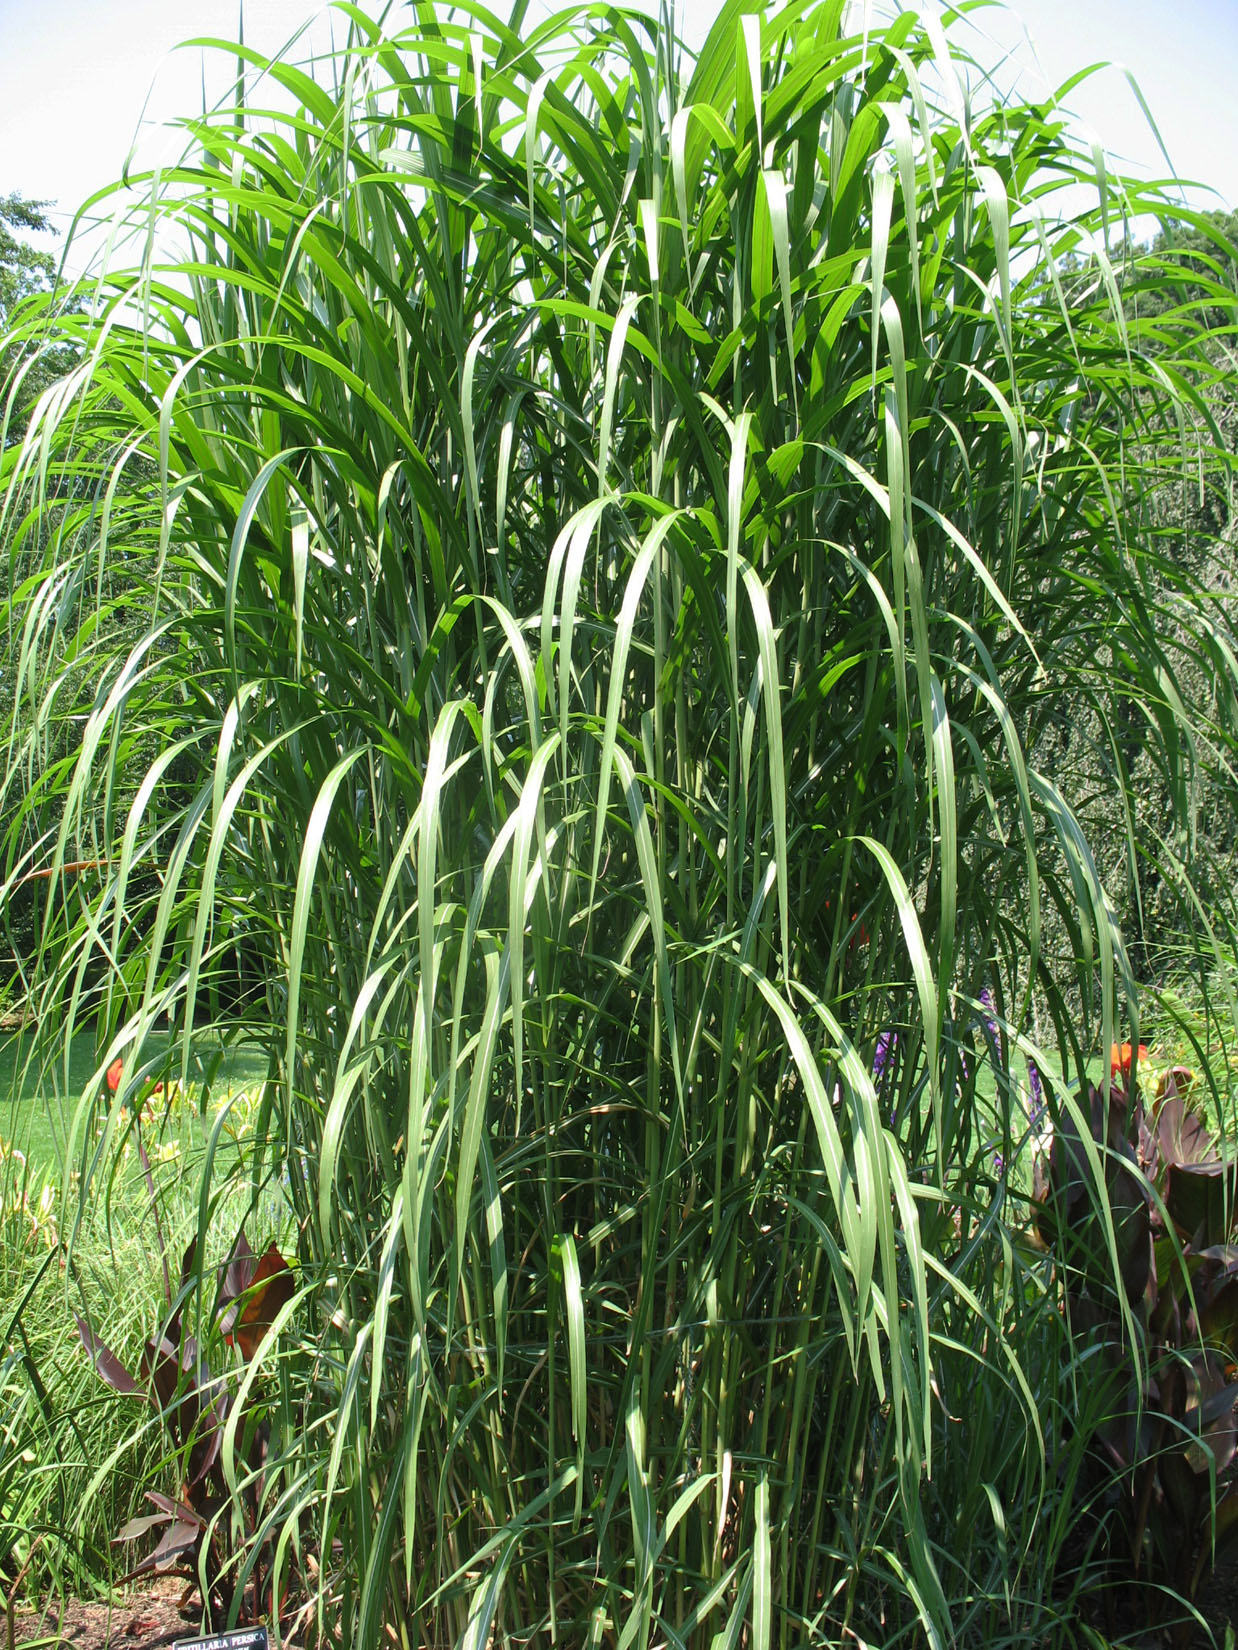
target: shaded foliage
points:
(1161, 1327)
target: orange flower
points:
(115, 1072)
(1120, 1059)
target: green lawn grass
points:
(37, 1101)
(103, 1258)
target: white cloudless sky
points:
(78, 75)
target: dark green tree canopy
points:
(26, 271)
(23, 268)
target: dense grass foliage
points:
(618, 542)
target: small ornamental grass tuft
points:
(27, 1203)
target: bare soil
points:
(161, 1611)
(144, 1617)
(1218, 1604)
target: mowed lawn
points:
(38, 1101)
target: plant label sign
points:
(244, 1638)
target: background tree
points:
(37, 352)
(24, 271)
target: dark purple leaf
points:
(1217, 1307)
(1186, 1491)
(1182, 1135)
(271, 1287)
(238, 1274)
(1132, 1223)
(174, 1508)
(1200, 1198)
(1177, 1081)
(107, 1363)
(179, 1540)
(188, 1264)
(1219, 1404)
(161, 1364)
(139, 1526)
(1218, 1262)
(206, 1450)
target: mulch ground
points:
(1218, 1604)
(145, 1618)
(153, 1616)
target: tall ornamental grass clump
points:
(614, 539)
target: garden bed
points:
(148, 1616)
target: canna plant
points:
(201, 1417)
(1161, 1331)
(614, 539)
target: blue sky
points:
(1183, 56)
(78, 74)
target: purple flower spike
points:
(990, 1019)
(881, 1054)
(1036, 1110)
